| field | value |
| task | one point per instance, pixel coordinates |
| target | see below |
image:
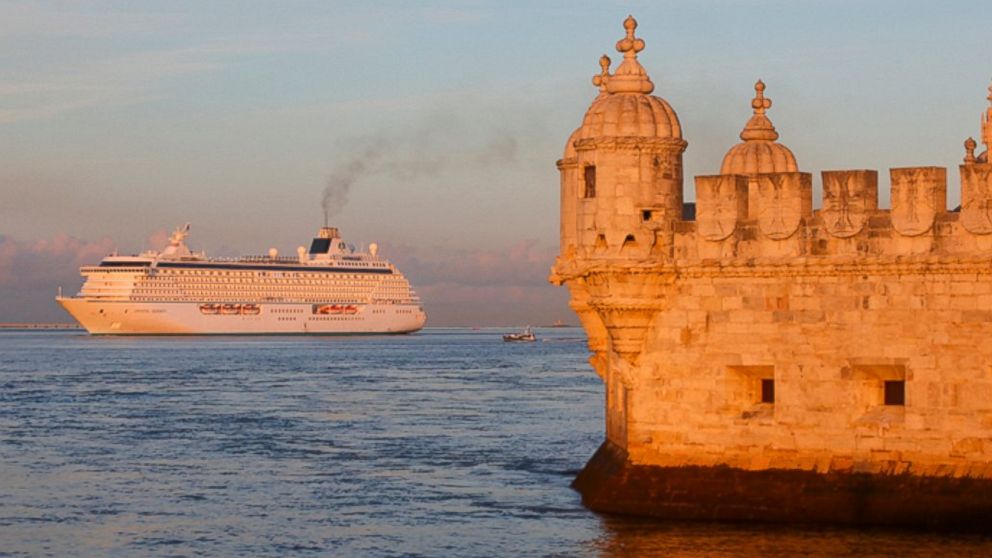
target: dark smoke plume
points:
(424, 152)
(340, 181)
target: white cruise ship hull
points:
(101, 317)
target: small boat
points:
(250, 309)
(527, 336)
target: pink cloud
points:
(158, 240)
(484, 287)
(31, 272)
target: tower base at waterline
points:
(611, 483)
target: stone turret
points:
(759, 152)
(621, 191)
(766, 360)
(622, 169)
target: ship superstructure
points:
(329, 289)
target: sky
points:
(437, 122)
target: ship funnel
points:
(324, 241)
(328, 232)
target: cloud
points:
(31, 273)
(130, 75)
(449, 16)
(484, 287)
(121, 80)
(67, 20)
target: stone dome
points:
(759, 152)
(570, 145)
(624, 107)
(632, 115)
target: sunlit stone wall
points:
(764, 334)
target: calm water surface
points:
(444, 443)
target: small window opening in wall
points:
(590, 178)
(895, 392)
(600, 243)
(646, 215)
(767, 390)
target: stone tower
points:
(621, 192)
(765, 360)
(621, 174)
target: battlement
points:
(770, 216)
(849, 225)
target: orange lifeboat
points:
(210, 308)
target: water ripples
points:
(444, 443)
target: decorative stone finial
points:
(759, 103)
(630, 45)
(604, 74)
(630, 76)
(969, 151)
(759, 127)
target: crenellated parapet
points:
(849, 221)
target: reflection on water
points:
(625, 537)
(445, 443)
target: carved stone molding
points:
(918, 194)
(660, 145)
(720, 202)
(848, 198)
(783, 200)
(976, 198)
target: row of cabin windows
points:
(894, 391)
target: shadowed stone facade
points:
(769, 361)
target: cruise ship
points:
(330, 289)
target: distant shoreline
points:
(40, 326)
(64, 326)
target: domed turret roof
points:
(625, 107)
(759, 152)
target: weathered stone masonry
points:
(765, 360)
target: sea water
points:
(442, 443)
